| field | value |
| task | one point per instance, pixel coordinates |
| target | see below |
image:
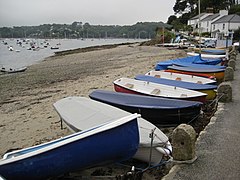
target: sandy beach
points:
(27, 115)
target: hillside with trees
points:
(145, 30)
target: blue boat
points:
(107, 143)
(204, 88)
(159, 111)
(214, 51)
(190, 59)
(182, 64)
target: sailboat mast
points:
(199, 30)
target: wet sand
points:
(27, 115)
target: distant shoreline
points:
(89, 48)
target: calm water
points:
(22, 56)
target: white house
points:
(226, 24)
(194, 20)
(220, 25)
(206, 23)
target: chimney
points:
(223, 12)
(209, 10)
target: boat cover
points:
(190, 59)
(214, 51)
(183, 64)
(140, 101)
(182, 84)
(197, 70)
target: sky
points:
(95, 12)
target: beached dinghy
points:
(80, 113)
(15, 70)
(210, 90)
(213, 51)
(207, 56)
(111, 142)
(199, 65)
(160, 111)
(190, 59)
(133, 86)
(217, 73)
(180, 77)
(192, 74)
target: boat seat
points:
(156, 91)
(183, 95)
(129, 85)
(199, 82)
(157, 76)
(178, 79)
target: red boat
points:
(192, 73)
(133, 86)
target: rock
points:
(232, 64)
(225, 92)
(183, 141)
(232, 57)
(229, 74)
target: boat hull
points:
(121, 89)
(191, 73)
(207, 89)
(180, 77)
(159, 111)
(109, 146)
(71, 111)
(218, 75)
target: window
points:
(214, 27)
(223, 26)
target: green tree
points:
(235, 9)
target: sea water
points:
(16, 53)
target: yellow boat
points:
(211, 94)
(217, 73)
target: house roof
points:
(196, 17)
(233, 18)
(211, 17)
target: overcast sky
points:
(104, 12)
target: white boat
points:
(207, 56)
(80, 113)
(15, 70)
(180, 77)
(133, 86)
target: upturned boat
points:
(107, 143)
(80, 113)
(159, 111)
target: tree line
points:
(80, 30)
